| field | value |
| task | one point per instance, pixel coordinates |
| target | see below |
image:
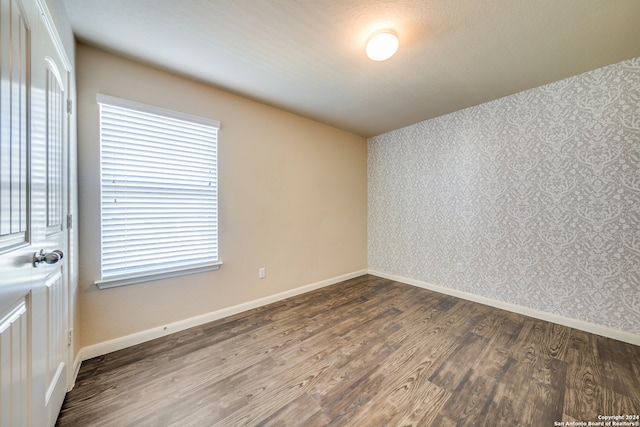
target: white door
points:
(48, 200)
(33, 150)
(16, 272)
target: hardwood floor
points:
(365, 352)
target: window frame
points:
(158, 273)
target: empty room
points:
(320, 213)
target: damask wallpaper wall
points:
(532, 199)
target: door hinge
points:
(69, 337)
(69, 221)
(69, 106)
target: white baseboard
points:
(116, 344)
(542, 315)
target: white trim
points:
(12, 316)
(605, 331)
(143, 336)
(54, 70)
(152, 109)
(132, 280)
(49, 23)
(54, 382)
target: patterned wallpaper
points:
(532, 199)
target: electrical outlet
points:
(261, 273)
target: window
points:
(159, 193)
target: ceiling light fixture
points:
(382, 45)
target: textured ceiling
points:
(307, 56)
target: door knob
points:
(47, 257)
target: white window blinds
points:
(159, 213)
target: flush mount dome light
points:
(382, 45)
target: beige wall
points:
(293, 199)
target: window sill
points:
(132, 280)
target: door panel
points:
(56, 352)
(48, 200)
(13, 366)
(14, 110)
(33, 197)
(55, 113)
(15, 227)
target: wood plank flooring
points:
(365, 352)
